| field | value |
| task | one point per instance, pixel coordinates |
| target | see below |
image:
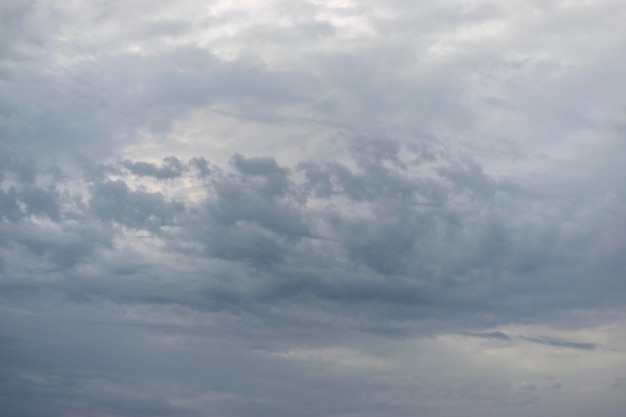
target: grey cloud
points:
(201, 165)
(385, 244)
(409, 171)
(385, 240)
(544, 340)
(171, 167)
(257, 214)
(618, 383)
(21, 165)
(34, 200)
(246, 241)
(287, 265)
(13, 14)
(88, 107)
(491, 335)
(275, 177)
(372, 180)
(9, 207)
(50, 248)
(39, 201)
(470, 176)
(128, 382)
(254, 214)
(562, 343)
(260, 196)
(113, 200)
(260, 214)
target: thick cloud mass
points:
(338, 208)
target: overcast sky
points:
(279, 208)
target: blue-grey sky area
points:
(339, 208)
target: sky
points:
(314, 208)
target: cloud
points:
(562, 343)
(549, 341)
(112, 200)
(201, 165)
(402, 200)
(492, 335)
(172, 167)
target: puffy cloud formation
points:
(337, 208)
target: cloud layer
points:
(313, 208)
